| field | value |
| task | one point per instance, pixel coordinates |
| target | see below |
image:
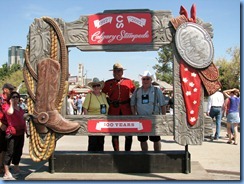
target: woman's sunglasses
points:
(97, 85)
(14, 97)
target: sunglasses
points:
(118, 70)
(97, 85)
(146, 78)
(15, 97)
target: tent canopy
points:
(79, 89)
(163, 85)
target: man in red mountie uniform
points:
(7, 89)
(119, 90)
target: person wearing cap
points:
(119, 90)
(4, 101)
(148, 100)
(233, 114)
(95, 104)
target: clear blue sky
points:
(17, 16)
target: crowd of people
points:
(116, 96)
(74, 104)
(225, 104)
(119, 96)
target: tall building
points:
(16, 55)
(78, 84)
(81, 74)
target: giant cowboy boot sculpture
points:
(45, 112)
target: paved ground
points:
(213, 160)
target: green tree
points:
(13, 75)
(4, 71)
(14, 68)
(136, 83)
(229, 71)
(164, 68)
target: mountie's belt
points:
(125, 102)
(119, 102)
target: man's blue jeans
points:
(217, 113)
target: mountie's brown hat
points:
(117, 66)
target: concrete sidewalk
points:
(213, 160)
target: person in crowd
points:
(83, 97)
(233, 116)
(148, 100)
(214, 110)
(79, 105)
(70, 110)
(95, 104)
(225, 113)
(171, 100)
(4, 100)
(15, 135)
(167, 98)
(23, 105)
(119, 90)
(74, 105)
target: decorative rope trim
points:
(64, 60)
(28, 65)
(29, 83)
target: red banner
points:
(98, 125)
(191, 89)
(121, 28)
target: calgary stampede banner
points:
(120, 28)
